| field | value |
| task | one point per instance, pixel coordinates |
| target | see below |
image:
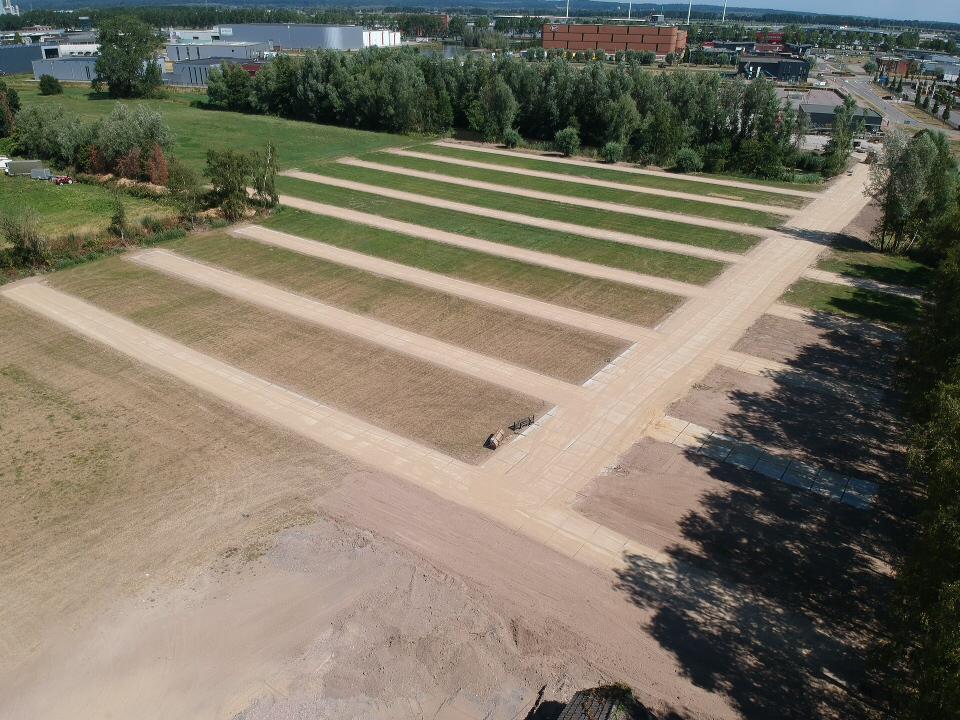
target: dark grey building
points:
(780, 69)
(197, 72)
(16, 59)
(70, 69)
(821, 117)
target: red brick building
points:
(660, 40)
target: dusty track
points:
(583, 230)
(581, 180)
(743, 185)
(743, 229)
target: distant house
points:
(780, 69)
(821, 117)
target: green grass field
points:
(76, 208)
(852, 302)
(196, 130)
(561, 212)
(882, 267)
(612, 254)
(589, 192)
(678, 184)
(624, 302)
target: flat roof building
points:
(661, 40)
(197, 72)
(179, 51)
(822, 117)
(780, 69)
(69, 69)
(292, 36)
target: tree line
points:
(732, 125)
(915, 183)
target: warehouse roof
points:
(769, 60)
(811, 108)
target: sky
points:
(945, 10)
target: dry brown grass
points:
(550, 348)
(424, 402)
(114, 477)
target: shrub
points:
(567, 141)
(612, 152)
(511, 138)
(118, 222)
(158, 170)
(128, 165)
(27, 245)
(687, 160)
(49, 85)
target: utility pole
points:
(689, 8)
(724, 18)
(568, 9)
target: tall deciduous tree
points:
(127, 62)
(838, 149)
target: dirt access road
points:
(560, 568)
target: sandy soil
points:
(841, 349)
(863, 224)
(553, 349)
(795, 614)
(425, 402)
(844, 435)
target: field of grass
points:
(623, 302)
(78, 208)
(589, 192)
(678, 184)
(650, 227)
(852, 302)
(196, 130)
(557, 350)
(882, 267)
(628, 257)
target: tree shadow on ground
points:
(775, 598)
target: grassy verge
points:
(785, 184)
(79, 209)
(882, 267)
(588, 192)
(528, 162)
(624, 302)
(612, 254)
(852, 302)
(560, 212)
(196, 130)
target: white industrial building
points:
(8, 8)
(292, 36)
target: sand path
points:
(451, 286)
(581, 180)
(533, 257)
(520, 219)
(742, 184)
(419, 346)
(740, 228)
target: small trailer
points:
(23, 167)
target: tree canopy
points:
(127, 61)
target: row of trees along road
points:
(731, 124)
(915, 182)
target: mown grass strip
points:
(560, 212)
(881, 267)
(587, 192)
(677, 184)
(601, 297)
(612, 254)
(852, 302)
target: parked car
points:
(63, 180)
(4, 161)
